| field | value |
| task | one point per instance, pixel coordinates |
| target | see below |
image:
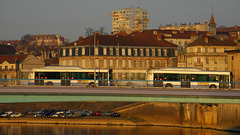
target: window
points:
(111, 63)
(159, 64)
(76, 51)
(97, 63)
(215, 60)
(63, 62)
(165, 63)
(198, 60)
(64, 52)
(83, 63)
(171, 77)
(70, 62)
(83, 51)
(111, 51)
(153, 52)
(214, 50)
(141, 52)
(226, 68)
(104, 63)
(70, 52)
(0, 67)
(135, 63)
(159, 52)
(117, 64)
(135, 52)
(207, 68)
(129, 52)
(153, 63)
(104, 51)
(11, 67)
(147, 63)
(215, 68)
(226, 61)
(129, 63)
(147, 52)
(123, 51)
(165, 52)
(141, 63)
(123, 63)
(198, 50)
(6, 67)
(190, 50)
(207, 60)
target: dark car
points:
(96, 113)
(115, 115)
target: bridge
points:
(106, 94)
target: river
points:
(40, 129)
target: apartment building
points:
(185, 27)
(47, 40)
(122, 53)
(129, 19)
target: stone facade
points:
(122, 54)
(233, 58)
(17, 66)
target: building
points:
(47, 40)
(207, 52)
(17, 66)
(129, 19)
(234, 66)
(185, 27)
(234, 31)
(135, 52)
(6, 49)
(14, 43)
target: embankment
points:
(214, 116)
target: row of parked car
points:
(11, 114)
(60, 114)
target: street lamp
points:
(94, 44)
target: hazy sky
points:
(69, 18)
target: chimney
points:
(206, 39)
(159, 36)
(80, 38)
(221, 37)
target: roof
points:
(229, 51)
(229, 29)
(12, 58)
(212, 20)
(134, 39)
(7, 49)
(213, 41)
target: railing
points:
(118, 83)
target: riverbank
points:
(207, 116)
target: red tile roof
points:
(213, 41)
(145, 38)
(229, 29)
(12, 58)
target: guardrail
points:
(119, 83)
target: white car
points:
(6, 114)
(15, 115)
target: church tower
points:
(212, 25)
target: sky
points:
(69, 18)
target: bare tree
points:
(101, 30)
(89, 32)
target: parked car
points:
(96, 113)
(106, 113)
(115, 115)
(15, 115)
(6, 114)
(76, 114)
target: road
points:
(127, 91)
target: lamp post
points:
(94, 44)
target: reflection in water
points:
(25, 129)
